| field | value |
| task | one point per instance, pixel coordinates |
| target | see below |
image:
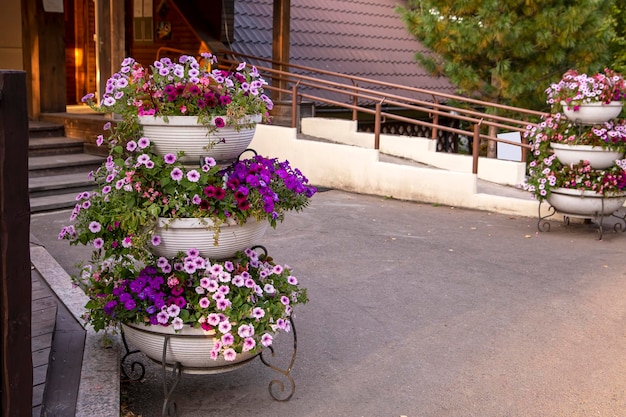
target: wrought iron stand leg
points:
(285, 372)
(169, 406)
(542, 224)
(133, 365)
(620, 226)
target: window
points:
(142, 21)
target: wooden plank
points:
(42, 341)
(37, 398)
(39, 374)
(15, 273)
(41, 357)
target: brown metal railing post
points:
(294, 105)
(434, 132)
(476, 147)
(379, 106)
(15, 275)
(355, 103)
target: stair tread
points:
(53, 202)
(60, 181)
(35, 125)
(53, 141)
(62, 160)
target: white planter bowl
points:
(585, 203)
(598, 157)
(190, 347)
(183, 234)
(183, 133)
(593, 113)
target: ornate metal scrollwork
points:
(137, 369)
(285, 372)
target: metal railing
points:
(361, 95)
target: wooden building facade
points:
(71, 47)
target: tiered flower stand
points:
(587, 205)
(599, 209)
(134, 370)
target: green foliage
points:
(506, 51)
(618, 44)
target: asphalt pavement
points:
(422, 310)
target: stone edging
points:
(99, 390)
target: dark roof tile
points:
(355, 37)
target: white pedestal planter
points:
(598, 157)
(189, 347)
(182, 234)
(592, 113)
(183, 133)
(585, 203)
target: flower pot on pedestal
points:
(213, 241)
(592, 113)
(189, 347)
(184, 133)
(585, 203)
(598, 157)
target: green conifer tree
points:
(509, 51)
(618, 44)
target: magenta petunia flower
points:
(219, 122)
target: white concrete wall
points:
(421, 150)
(358, 169)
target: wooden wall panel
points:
(182, 36)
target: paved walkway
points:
(425, 311)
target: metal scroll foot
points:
(620, 226)
(276, 383)
(542, 224)
(137, 369)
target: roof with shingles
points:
(365, 38)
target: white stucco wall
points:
(358, 169)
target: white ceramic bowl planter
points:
(184, 133)
(585, 203)
(190, 347)
(182, 234)
(592, 113)
(598, 157)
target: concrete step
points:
(48, 165)
(66, 183)
(58, 201)
(54, 145)
(42, 129)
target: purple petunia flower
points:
(169, 158)
(177, 174)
